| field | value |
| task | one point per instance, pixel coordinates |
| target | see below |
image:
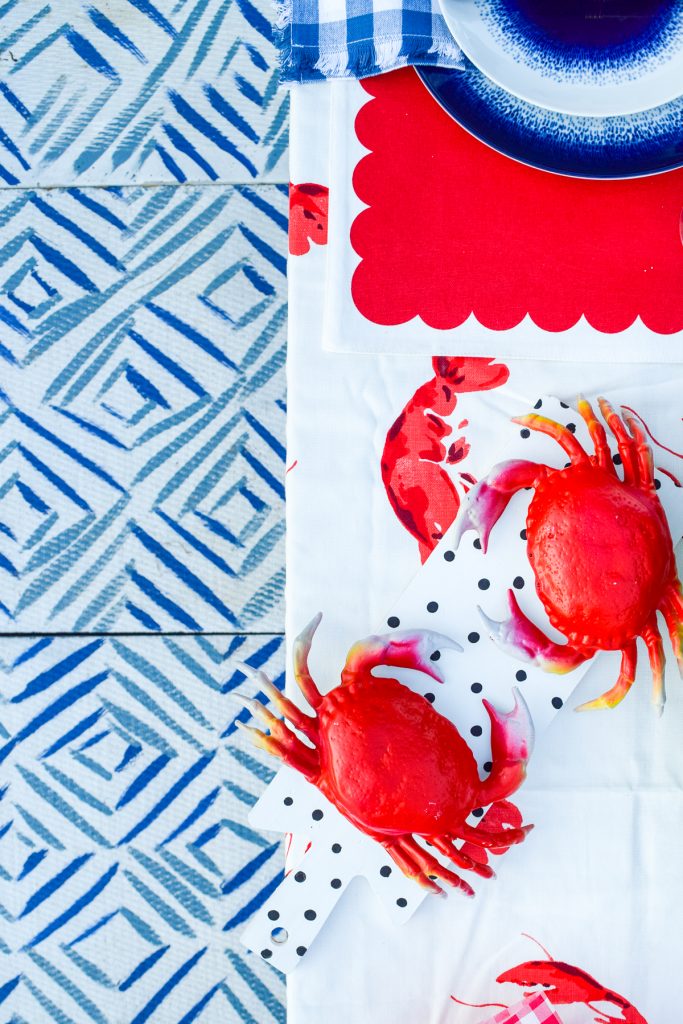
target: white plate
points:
(595, 58)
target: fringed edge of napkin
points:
(371, 56)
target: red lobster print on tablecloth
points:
(308, 207)
(421, 491)
(565, 985)
(389, 762)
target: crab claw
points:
(512, 741)
(256, 675)
(418, 649)
(491, 496)
(300, 652)
(521, 638)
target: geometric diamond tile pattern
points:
(127, 866)
(142, 405)
(142, 461)
(128, 91)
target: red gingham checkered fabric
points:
(534, 1010)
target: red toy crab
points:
(389, 762)
(600, 548)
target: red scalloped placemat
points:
(453, 227)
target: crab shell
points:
(592, 536)
(390, 763)
(600, 548)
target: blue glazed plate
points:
(626, 146)
(588, 57)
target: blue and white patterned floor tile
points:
(142, 409)
(127, 866)
(142, 406)
(119, 91)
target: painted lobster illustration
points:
(308, 210)
(565, 985)
(418, 447)
(390, 763)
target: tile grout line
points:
(209, 633)
(67, 186)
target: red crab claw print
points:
(392, 765)
(600, 549)
(424, 496)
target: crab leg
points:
(672, 609)
(490, 497)
(644, 453)
(627, 674)
(625, 443)
(558, 432)
(445, 846)
(304, 723)
(598, 435)
(512, 740)
(302, 648)
(655, 649)
(493, 840)
(410, 867)
(282, 743)
(405, 649)
(518, 635)
(428, 865)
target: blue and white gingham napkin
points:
(357, 38)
